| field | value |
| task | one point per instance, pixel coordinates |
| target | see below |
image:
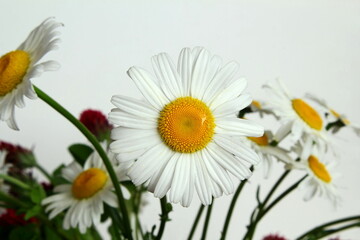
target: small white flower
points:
(89, 187)
(321, 178)
(182, 136)
(267, 152)
(19, 66)
(296, 115)
(335, 115)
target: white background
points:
(313, 46)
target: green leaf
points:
(57, 176)
(32, 212)
(37, 194)
(80, 152)
(24, 232)
(50, 234)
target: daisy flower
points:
(261, 108)
(267, 152)
(181, 137)
(321, 177)
(296, 115)
(339, 119)
(4, 168)
(19, 66)
(89, 187)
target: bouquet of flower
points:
(195, 132)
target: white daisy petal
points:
(184, 69)
(221, 79)
(144, 167)
(199, 80)
(232, 107)
(189, 190)
(165, 71)
(127, 120)
(165, 180)
(134, 144)
(238, 127)
(237, 148)
(134, 107)
(148, 88)
(217, 173)
(180, 179)
(230, 92)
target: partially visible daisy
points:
(321, 180)
(296, 115)
(4, 168)
(261, 108)
(88, 189)
(340, 120)
(182, 136)
(268, 153)
(19, 66)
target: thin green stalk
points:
(43, 171)
(56, 106)
(207, 220)
(278, 199)
(164, 217)
(325, 225)
(15, 181)
(196, 221)
(10, 199)
(265, 209)
(231, 209)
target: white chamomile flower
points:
(19, 66)
(267, 152)
(89, 187)
(343, 120)
(4, 168)
(297, 116)
(261, 108)
(182, 136)
(321, 176)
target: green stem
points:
(207, 220)
(279, 198)
(43, 171)
(231, 209)
(56, 106)
(196, 221)
(10, 199)
(263, 210)
(164, 217)
(15, 181)
(325, 225)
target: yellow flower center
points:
(307, 113)
(319, 169)
(186, 125)
(333, 112)
(261, 141)
(13, 67)
(256, 104)
(88, 183)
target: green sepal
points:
(80, 152)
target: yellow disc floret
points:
(186, 125)
(261, 141)
(13, 67)
(319, 169)
(257, 104)
(307, 113)
(88, 183)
